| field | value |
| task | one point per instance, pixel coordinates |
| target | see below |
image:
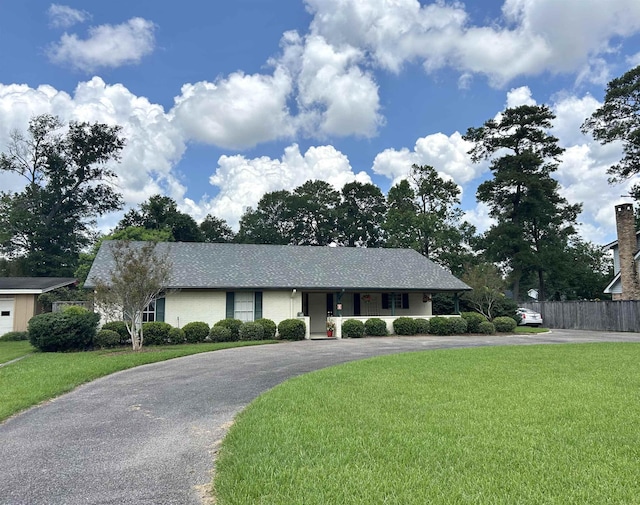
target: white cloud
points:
(335, 96)
(107, 46)
(154, 144)
(534, 36)
(237, 112)
(519, 96)
(243, 181)
(63, 16)
(479, 217)
(447, 154)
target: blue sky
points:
(224, 101)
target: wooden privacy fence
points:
(583, 315)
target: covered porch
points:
(319, 307)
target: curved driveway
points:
(149, 435)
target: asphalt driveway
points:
(149, 435)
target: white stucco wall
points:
(280, 305)
(182, 307)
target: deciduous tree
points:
(68, 185)
(139, 273)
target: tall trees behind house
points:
(533, 222)
(46, 225)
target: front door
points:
(318, 312)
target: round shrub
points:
(458, 325)
(15, 335)
(291, 329)
(233, 325)
(473, 320)
(251, 331)
(504, 324)
(269, 328)
(195, 332)
(120, 327)
(156, 333)
(487, 328)
(375, 327)
(440, 326)
(176, 336)
(422, 326)
(106, 338)
(63, 331)
(352, 328)
(404, 326)
(220, 333)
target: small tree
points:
(138, 275)
(488, 286)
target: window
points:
(396, 300)
(149, 313)
(243, 306)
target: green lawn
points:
(42, 376)
(530, 329)
(11, 350)
(554, 424)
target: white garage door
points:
(6, 315)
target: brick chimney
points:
(627, 247)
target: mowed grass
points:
(42, 376)
(554, 424)
(14, 349)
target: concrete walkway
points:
(149, 435)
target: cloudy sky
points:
(224, 101)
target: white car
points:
(529, 317)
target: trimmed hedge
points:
(375, 327)
(176, 336)
(156, 333)
(404, 326)
(233, 325)
(63, 331)
(269, 328)
(487, 328)
(220, 333)
(422, 326)
(251, 331)
(292, 329)
(473, 321)
(352, 328)
(15, 336)
(504, 324)
(440, 326)
(196, 331)
(458, 325)
(120, 327)
(105, 339)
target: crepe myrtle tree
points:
(139, 274)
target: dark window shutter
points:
(160, 310)
(230, 305)
(330, 302)
(385, 300)
(356, 304)
(405, 300)
(257, 308)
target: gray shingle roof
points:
(238, 266)
(35, 284)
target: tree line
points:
(48, 228)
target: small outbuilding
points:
(210, 282)
(19, 299)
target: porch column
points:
(456, 303)
(393, 304)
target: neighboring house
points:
(210, 282)
(626, 253)
(19, 299)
